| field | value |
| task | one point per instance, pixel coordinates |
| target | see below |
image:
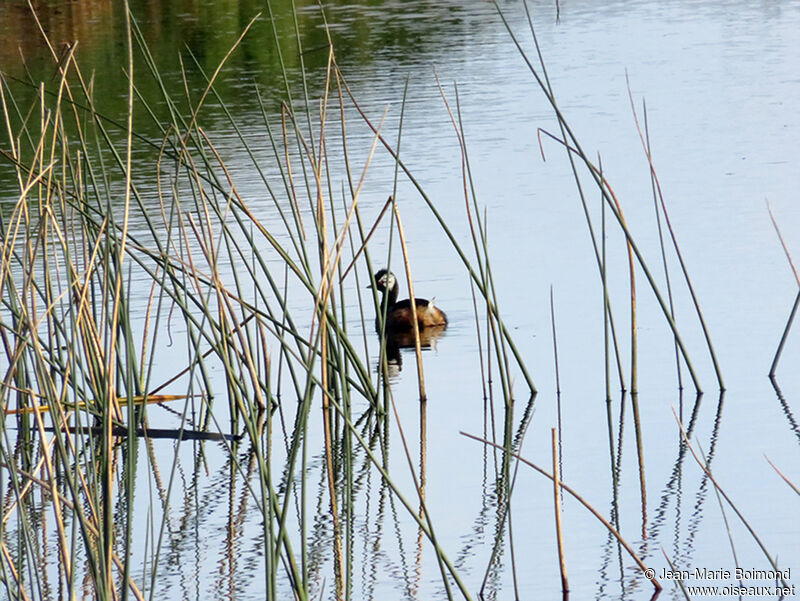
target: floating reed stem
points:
(785, 479)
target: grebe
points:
(399, 317)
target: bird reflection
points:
(405, 340)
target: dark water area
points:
(721, 85)
(200, 34)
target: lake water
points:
(722, 88)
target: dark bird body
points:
(399, 316)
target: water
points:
(721, 86)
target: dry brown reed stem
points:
(10, 565)
(785, 479)
(363, 246)
(783, 244)
(417, 346)
(111, 353)
(562, 562)
(637, 425)
(326, 287)
(14, 150)
(581, 500)
(340, 237)
(331, 479)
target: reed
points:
(704, 465)
(783, 477)
(684, 269)
(570, 142)
(260, 311)
(592, 510)
(562, 561)
(792, 313)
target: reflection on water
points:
(204, 32)
(395, 341)
(718, 79)
(428, 338)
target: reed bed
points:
(111, 262)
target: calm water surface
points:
(722, 87)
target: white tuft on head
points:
(388, 280)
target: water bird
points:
(399, 317)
